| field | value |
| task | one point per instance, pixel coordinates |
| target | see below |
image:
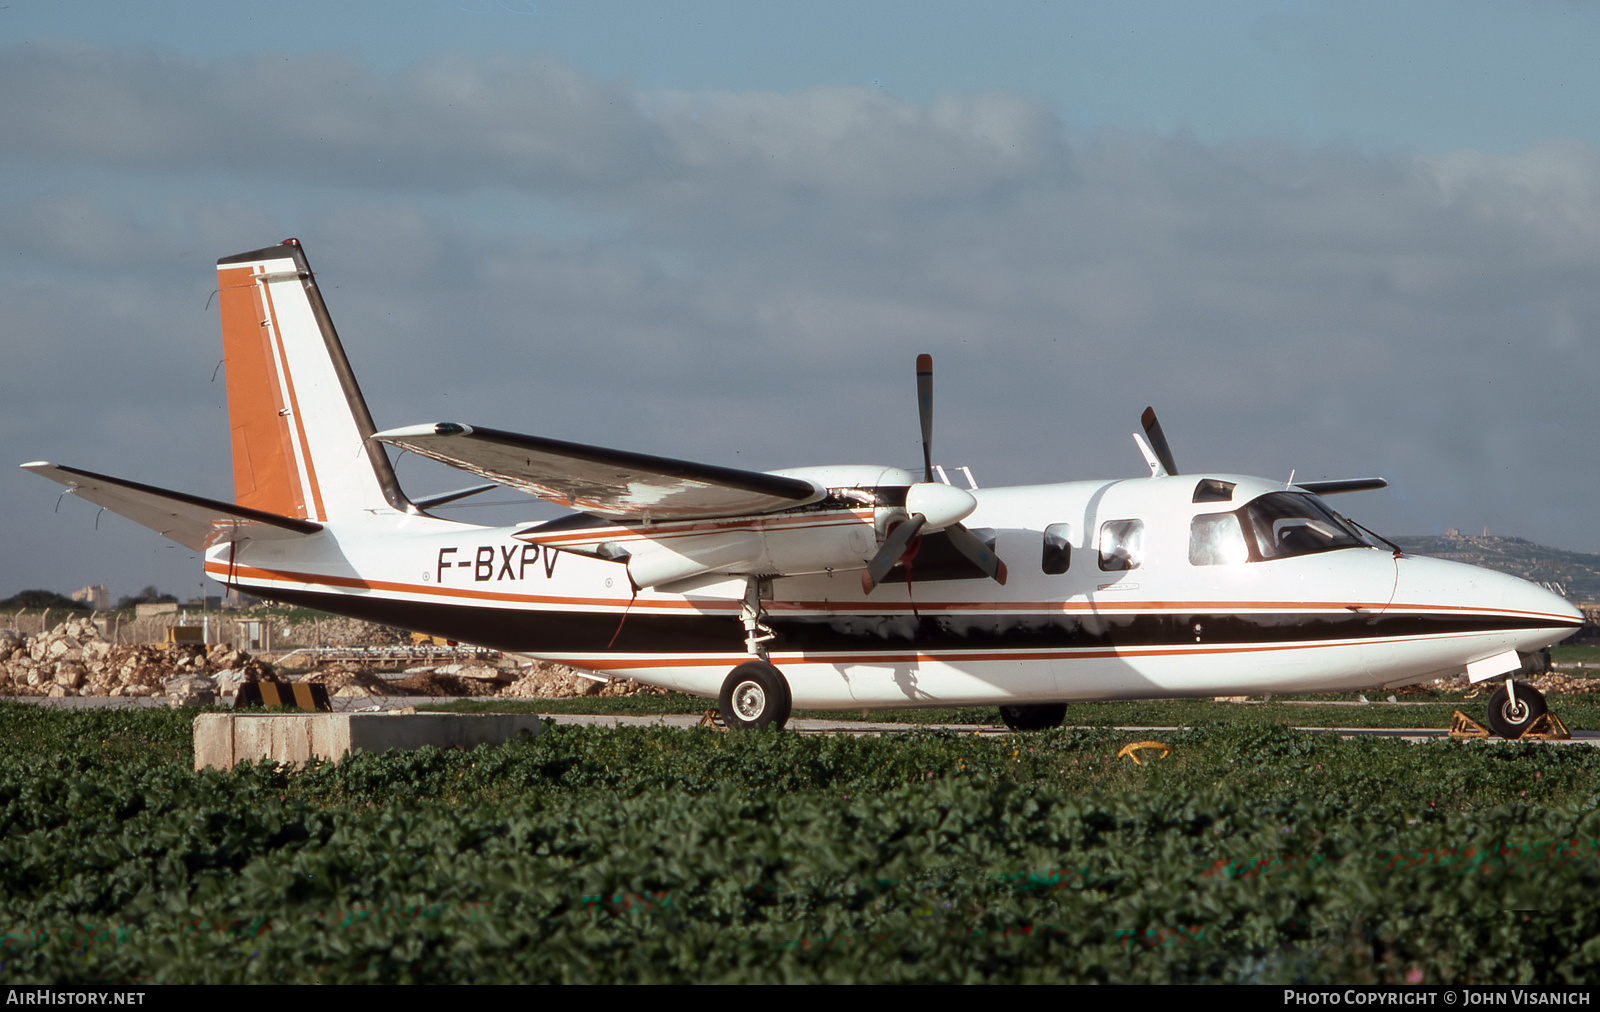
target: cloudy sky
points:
(1338, 238)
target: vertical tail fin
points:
(300, 425)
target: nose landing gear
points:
(1513, 708)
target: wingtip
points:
(425, 429)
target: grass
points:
(1575, 655)
(1251, 853)
(1576, 711)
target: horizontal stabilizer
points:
(1342, 485)
(614, 483)
(190, 520)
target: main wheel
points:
(755, 694)
(1510, 721)
(1034, 718)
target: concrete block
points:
(223, 739)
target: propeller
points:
(932, 506)
(925, 411)
(893, 548)
(1158, 440)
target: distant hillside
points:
(1572, 574)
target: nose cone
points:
(1473, 601)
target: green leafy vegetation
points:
(149, 595)
(1251, 853)
(1434, 711)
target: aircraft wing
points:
(613, 483)
(190, 520)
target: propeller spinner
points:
(933, 506)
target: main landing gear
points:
(1037, 717)
(755, 694)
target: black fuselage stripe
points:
(568, 632)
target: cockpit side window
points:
(1057, 548)
(1216, 539)
(1214, 490)
(1121, 545)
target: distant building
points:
(96, 597)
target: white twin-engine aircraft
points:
(831, 588)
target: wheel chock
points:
(1131, 750)
(272, 692)
(1463, 726)
(712, 719)
(1547, 727)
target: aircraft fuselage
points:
(1076, 620)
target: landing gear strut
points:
(756, 631)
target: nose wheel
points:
(1513, 708)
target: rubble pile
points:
(1551, 683)
(540, 681)
(343, 680)
(554, 681)
(344, 632)
(73, 659)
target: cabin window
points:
(1121, 545)
(1216, 539)
(1057, 548)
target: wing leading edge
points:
(614, 483)
(190, 520)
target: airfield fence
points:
(235, 630)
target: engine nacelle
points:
(840, 542)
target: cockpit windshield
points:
(1274, 526)
(1287, 523)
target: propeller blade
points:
(925, 410)
(894, 546)
(1158, 440)
(974, 548)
